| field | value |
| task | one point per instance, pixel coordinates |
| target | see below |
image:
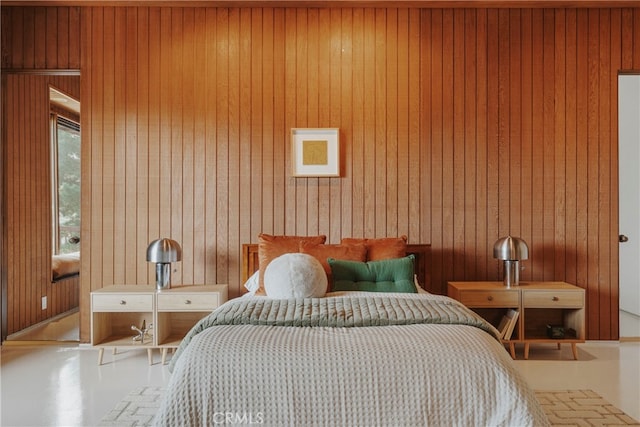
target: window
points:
(65, 151)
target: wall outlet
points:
(44, 303)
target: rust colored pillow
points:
(383, 248)
(271, 247)
(346, 252)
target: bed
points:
(347, 358)
(65, 283)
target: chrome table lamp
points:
(511, 250)
(163, 252)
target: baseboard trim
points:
(43, 343)
(629, 339)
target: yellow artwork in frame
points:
(315, 152)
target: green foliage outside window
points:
(68, 186)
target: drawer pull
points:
(490, 298)
(555, 299)
(123, 302)
(187, 302)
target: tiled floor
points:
(56, 386)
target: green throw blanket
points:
(339, 312)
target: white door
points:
(629, 192)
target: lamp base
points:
(511, 273)
(163, 276)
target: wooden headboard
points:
(422, 252)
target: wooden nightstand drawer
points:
(188, 301)
(119, 312)
(553, 299)
(489, 298)
(121, 302)
(538, 305)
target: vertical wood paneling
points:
(210, 218)
(582, 151)
(143, 155)
(132, 139)
(571, 153)
(188, 149)
(335, 60)
(177, 123)
(40, 37)
(559, 144)
(536, 245)
(402, 125)
(459, 168)
(33, 39)
(345, 195)
(280, 131)
(604, 165)
(458, 127)
(379, 123)
(468, 234)
(368, 124)
(357, 137)
(86, 188)
(481, 140)
(593, 283)
(613, 242)
(415, 185)
(257, 55)
(199, 154)
(27, 201)
(95, 171)
(526, 123)
(225, 103)
(390, 95)
(448, 128)
(433, 130)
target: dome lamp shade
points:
(163, 252)
(511, 250)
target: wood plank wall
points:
(27, 201)
(34, 40)
(37, 38)
(458, 126)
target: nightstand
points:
(180, 308)
(169, 314)
(540, 306)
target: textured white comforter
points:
(402, 375)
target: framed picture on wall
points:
(315, 152)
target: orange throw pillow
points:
(383, 248)
(271, 247)
(347, 252)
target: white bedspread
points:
(439, 375)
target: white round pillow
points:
(295, 275)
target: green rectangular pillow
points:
(389, 275)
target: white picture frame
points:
(315, 152)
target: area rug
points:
(581, 408)
(563, 408)
(136, 409)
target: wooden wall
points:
(37, 44)
(38, 38)
(458, 126)
(27, 201)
